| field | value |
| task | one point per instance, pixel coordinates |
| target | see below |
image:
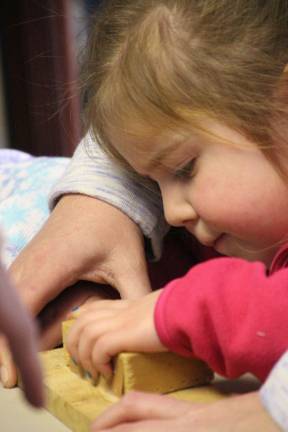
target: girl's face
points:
(220, 187)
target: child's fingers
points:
(106, 347)
(77, 310)
(94, 309)
(80, 345)
(76, 332)
(81, 349)
(26, 357)
(74, 314)
(96, 306)
(85, 328)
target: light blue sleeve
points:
(25, 184)
(274, 393)
(92, 172)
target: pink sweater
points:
(229, 313)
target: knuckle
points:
(88, 334)
(102, 345)
(69, 344)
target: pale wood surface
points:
(76, 402)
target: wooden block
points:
(76, 402)
(158, 373)
(152, 372)
(71, 399)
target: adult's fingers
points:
(8, 372)
(24, 350)
(21, 335)
(131, 274)
(146, 426)
(134, 284)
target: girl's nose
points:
(177, 210)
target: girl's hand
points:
(154, 413)
(106, 328)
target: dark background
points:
(40, 71)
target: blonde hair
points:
(167, 64)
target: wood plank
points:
(76, 402)
(163, 372)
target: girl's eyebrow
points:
(156, 160)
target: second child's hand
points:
(147, 412)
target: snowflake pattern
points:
(25, 182)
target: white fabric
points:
(274, 393)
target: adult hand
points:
(21, 333)
(83, 239)
(105, 328)
(156, 413)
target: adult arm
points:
(95, 231)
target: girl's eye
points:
(187, 171)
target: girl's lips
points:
(210, 243)
(208, 239)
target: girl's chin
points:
(232, 248)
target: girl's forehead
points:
(146, 151)
(156, 139)
(148, 147)
(150, 141)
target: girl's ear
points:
(285, 69)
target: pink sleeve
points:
(228, 313)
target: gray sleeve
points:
(91, 172)
(274, 393)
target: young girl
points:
(193, 95)
(217, 77)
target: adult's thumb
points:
(133, 283)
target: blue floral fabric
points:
(25, 183)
